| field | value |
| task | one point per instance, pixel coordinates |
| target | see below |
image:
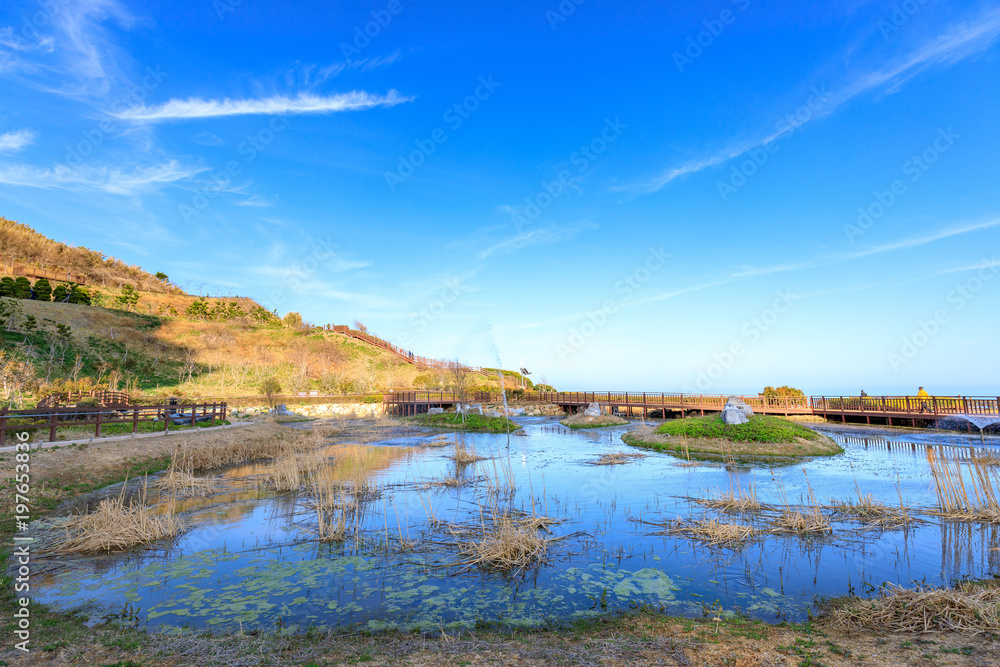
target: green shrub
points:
(43, 290)
(22, 288)
(760, 428)
(7, 287)
(60, 293)
(81, 296)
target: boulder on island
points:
(435, 411)
(593, 410)
(736, 411)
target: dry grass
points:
(505, 544)
(735, 501)
(183, 482)
(118, 525)
(617, 458)
(806, 522)
(965, 497)
(463, 455)
(971, 607)
(331, 509)
(440, 441)
(715, 533)
(288, 471)
(872, 512)
(447, 482)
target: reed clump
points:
(288, 471)
(735, 501)
(715, 533)
(463, 455)
(970, 607)
(870, 511)
(505, 544)
(332, 510)
(807, 522)
(183, 482)
(617, 458)
(965, 496)
(118, 524)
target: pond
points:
(251, 559)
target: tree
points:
(60, 293)
(43, 290)
(81, 296)
(360, 326)
(128, 297)
(22, 288)
(7, 287)
(772, 395)
(28, 326)
(160, 275)
(460, 379)
(293, 321)
(198, 310)
(9, 310)
(270, 388)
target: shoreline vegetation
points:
(583, 421)
(763, 438)
(847, 629)
(473, 423)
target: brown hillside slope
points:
(20, 244)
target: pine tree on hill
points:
(43, 290)
(22, 288)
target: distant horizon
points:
(680, 198)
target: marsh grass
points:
(735, 501)
(805, 522)
(182, 481)
(288, 471)
(117, 525)
(965, 497)
(505, 543)
(970, 607)
(462, 455)
(617, 458)
(715, 533)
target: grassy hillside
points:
(143, 334)
(20, 244)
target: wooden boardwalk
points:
(890, 410)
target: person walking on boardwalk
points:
(923, 396)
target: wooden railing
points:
(101, 397)
(920, 405)
(99, 417)
(405, 355)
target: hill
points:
(142, 334)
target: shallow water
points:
(252, 560)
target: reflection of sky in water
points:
(253, 560)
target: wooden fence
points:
(101, 417)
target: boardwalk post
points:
(97, 424)
(52, 426)
(3, 424)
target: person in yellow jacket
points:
(923, 395)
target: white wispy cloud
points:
(274, 105)
(102, 179)
(959, 41)
(12, 142)
(827, 260)
(538, 236)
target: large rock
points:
(736, 412)
(435, 411)
(469, 409)
(593, 410)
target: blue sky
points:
(710, 196)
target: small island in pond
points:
(709, 438)
(472, 422)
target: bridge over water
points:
(888, 410)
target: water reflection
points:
(253, 559)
